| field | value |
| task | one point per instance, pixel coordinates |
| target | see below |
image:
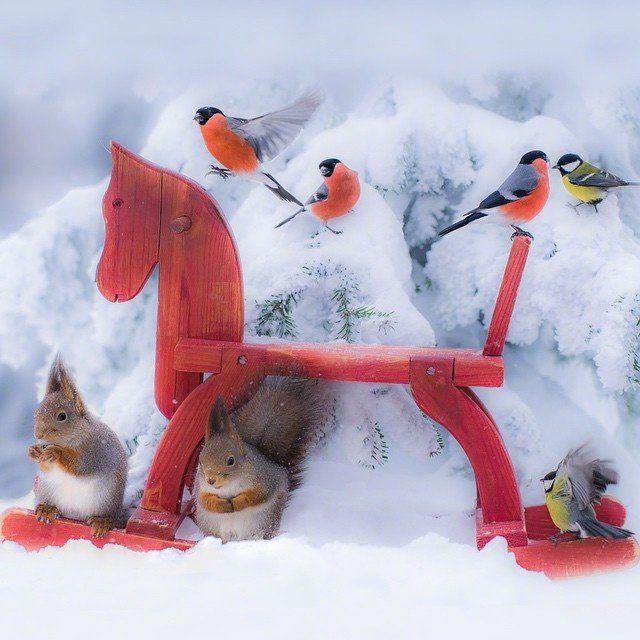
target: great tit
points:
(585, 181)
(519, 199)
(573, 488)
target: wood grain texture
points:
(578, 558)
(506, 300)
(153, 215)
(540, 525)
(131, 211)
(347, 362)
(21, 526)
(200, 293)
(158, 524)
(460, 412)
(156, 215)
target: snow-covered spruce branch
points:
(339, 291)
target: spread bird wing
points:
(588, 477)
(590, 176)
(271, 133)
(522, 181)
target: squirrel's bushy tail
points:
(281, 420)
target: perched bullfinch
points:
(573, 488)
(336, 196)
(519, 199)
(586, 182)
(241, 145)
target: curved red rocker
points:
(156, 216)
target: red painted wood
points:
(461, 413)
(159, 524)
(512, 531)
(131, 210)
(164, 217)
(506, 300)
(236, 383)
(21, 526)
(348, 362)
(200, 284)
(200, 320)
(578, 558)
(540, 526)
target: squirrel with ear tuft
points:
(82, 466)
(252, 460)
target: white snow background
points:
(433, 104)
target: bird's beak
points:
(556, 166)
(541, 479)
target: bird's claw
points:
(521, 232)
(219, 171)
(561, 536)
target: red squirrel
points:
(82, 466)
(252, 460)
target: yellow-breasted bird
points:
(585, 181)
(573, 488)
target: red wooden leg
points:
(159, 512)
(458, 410)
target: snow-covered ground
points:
(432, 105)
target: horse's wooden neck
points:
(200, 280)
(200, 283)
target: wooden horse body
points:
(156, 216)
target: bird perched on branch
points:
(573, 488)
(519, 199)
(242, 145)
(585, 181)
(336, 196)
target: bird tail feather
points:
(470, 217)
(290, 218)
(598, 529)
(275, 187)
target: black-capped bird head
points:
(548, 481)
(327, 166)
(204, 113)
(568, 162)
(530, 156)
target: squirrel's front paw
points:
(46, 513)
(50, 453)
(100, 526)
(35, 451)
(215, 504)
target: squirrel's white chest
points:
(252, 523)
(77, 497)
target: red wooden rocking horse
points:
(155, 216)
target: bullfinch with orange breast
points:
(336, 196)
(241, 145)
(519, 199)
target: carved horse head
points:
(154, 215)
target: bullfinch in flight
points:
(242, 145)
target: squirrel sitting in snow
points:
(82, 467)
(252, 460)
